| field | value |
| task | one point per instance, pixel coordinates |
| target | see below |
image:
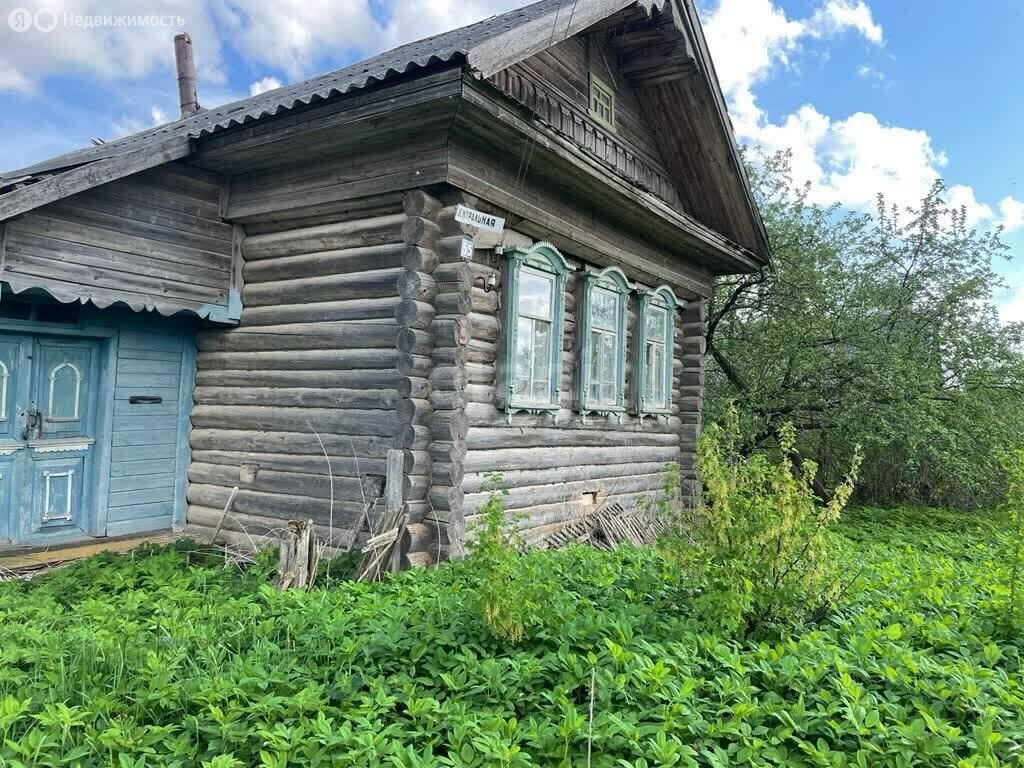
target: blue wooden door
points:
(61, 444)
(15, 377)
(49, 394)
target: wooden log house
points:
(272, 294)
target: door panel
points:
(15, 364)
(48, 416)
(57, 498)
(15, 378)
(64, 386)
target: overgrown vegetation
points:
(875, 330)
(1011, 560)
(505, 597)
(759, 540)
(158, 659)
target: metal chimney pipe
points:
(185, 64)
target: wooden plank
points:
(91, 175)
(524, 40)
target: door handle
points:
(33, 424)
(145, 400)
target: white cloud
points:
(1011, 308)
(961, 196)
(876, 76)
(847, 160)
(293, 36)
(109, 52)
(838, 15)
(129, 125)
(263, 85)
(13, 80)
(1011, 214)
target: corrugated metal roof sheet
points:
(444, 48)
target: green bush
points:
(758, 542)
(504, 597)
(168, 659)
(1011, 539)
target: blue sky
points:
(872, 95)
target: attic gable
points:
(555, 85)
(673, 136)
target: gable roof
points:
(486, 47)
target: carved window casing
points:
(530, 367)
(653, 350)
(602, 357)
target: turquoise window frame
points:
(664, 298)
(615, 281)
(544, 258)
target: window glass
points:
(603, 377)
(535, 294)
(655, 374)
(604, 309)
(533, 358)
(602, 102)
(655, 328)
(604, 368)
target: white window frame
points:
(544, 260)
(663, 299)
(612, 280)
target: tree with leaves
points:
(879, 330)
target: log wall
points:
(329, 352)
(553, 465)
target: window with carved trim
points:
(602, 102)
(534, 302)
(656, 311)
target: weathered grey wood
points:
(361, 233)
(418, 286)
(294, 419)
(325, 263)
(312, 360)
(302, 336)
(371, 284)
(410, 313)
(138, 240)
(594, 435)
(524, 40)
(300, 442)
(311, 461)
(393, 481)
(568, 492)
(276, 507)
(79, 179)
(303, 397)
(315, 485)
(363, 310)
(299, 556)
(298, 378)
(475, 481)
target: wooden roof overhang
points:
(580, 203)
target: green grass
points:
(155, 660)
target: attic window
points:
(602, 102)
